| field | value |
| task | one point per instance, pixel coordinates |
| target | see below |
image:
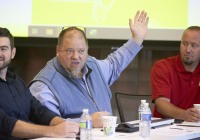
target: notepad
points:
(158, 122)
(189, 124)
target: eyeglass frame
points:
(68, 28)
(80, 28)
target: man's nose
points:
(189, 47)
(75, 55)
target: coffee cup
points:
(109, 125)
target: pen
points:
(77, 137)
(187, 125)
(177, 128)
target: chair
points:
(127, 105)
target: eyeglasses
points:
(74, 27)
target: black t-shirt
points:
(16, 102)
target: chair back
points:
(127, 105)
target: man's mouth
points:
(75, 63)
(188, 56)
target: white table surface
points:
(170, 132)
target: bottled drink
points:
(141, 107)
(145, 122)
(85, 126)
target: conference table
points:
(183, 131)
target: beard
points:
(187, 61)
(76, 72)
(5, 64)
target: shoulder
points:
(166, 62)
(166, 65)
(15, 77)
(47, 72)
(92, 61)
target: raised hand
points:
(139, 28)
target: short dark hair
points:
(62, 33)
(4, 32)
(197, 28)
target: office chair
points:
(127, 105)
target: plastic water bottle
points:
(145, 122)
(141, 107)
(85, 126)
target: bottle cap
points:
(143, 101)
(85, 110)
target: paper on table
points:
(45, 138)
(190, 124)
(175, 131)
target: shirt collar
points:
(180, 67)
(9, 77)
(86, 70)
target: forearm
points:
(117, 61)
(167, 109)
(56, 120)
(27, 130)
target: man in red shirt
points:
(175, 81)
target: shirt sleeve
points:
(117, 61)
(6, 123)
(41, 92)
(160, 82)
(39, 113)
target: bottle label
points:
(145, 117)
(82, 125)
(86, 124)
(89, 124)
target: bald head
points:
(71, 33)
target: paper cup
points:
(197, 106)
(109, 125)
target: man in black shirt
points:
(21, 115)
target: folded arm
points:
(167, 109)
(59, 128)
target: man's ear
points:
(57, 50)
(13, 52)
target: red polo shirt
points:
(169, 79)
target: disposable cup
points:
(109, 125)
(197, 106)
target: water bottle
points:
(145, 122)
(85, 126)
(141, 107)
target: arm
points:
(28, 130)
(161, 93)
(41, 92)
(139, 28)
(169, 110)
(117, 61)
(21, 129)
(56, 120)
(97, 119)
(41, 115)
(47, 98)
